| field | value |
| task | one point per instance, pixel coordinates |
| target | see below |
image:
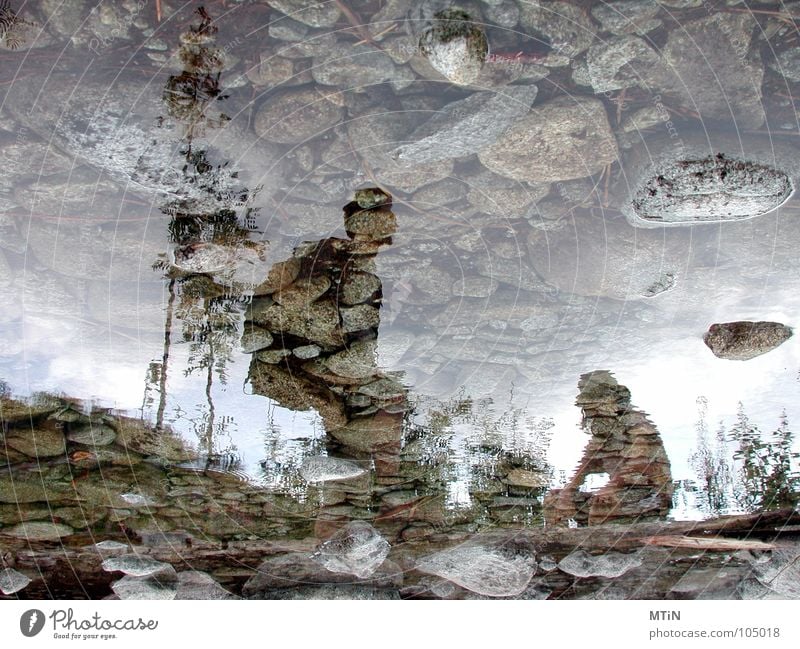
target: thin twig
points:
(158, 10)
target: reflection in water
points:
(627, 448)
(384, 412)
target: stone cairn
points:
(624, 445)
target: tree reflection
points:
(744, 470)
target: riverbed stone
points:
(309, 12)
(455, 45)
(466, 126)
(741, 341)
(294, 116)
(562, 139)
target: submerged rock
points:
(147, 588)
(455, 45)
(610, 565)
(12, 581)
(38, 531)
(562, 139)
(135, 565)
(741, 341)
(296, 115)
(323, 469)
(357, 549)
(468, 125)
(193, 584)
(481, 570)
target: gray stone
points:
(356, 362)
(12, 581)
(306, 352)
(38, 443)
(193, 584)
(510, 203)
(615, 63)
(709, 66)
(568, 30)
(135, 565)
(357, 549)
(787, 64)
(38, 531)
(294, 116)
(255, 339)
(93, 435)
(468, 125)
(481, 570)
(147, 588)
(358, 287)
(610, 565)
(285, 29)
(289, 570)
(352, 67)
(359, 318)
(562, 139)
(317, 322)
(741, 341)
(706, 176)
(303, 292)
(324, 469)
(309, 12)
(505, 14)
(628, 16)
(455, 46)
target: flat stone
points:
(562, 139)
(193, 584)
(323, 468)
(741, 341)
(135, 565)
(309, 12)
(356, 362)
(280, 275)
(359, 318)
(292, 570)
(358, 287)
(38, 443)
(712, 188)
(38, 531)
(255, 338)
(615, 63)
(525, 478)
(481, 570)
(149, 588)
(305, 352)
(93, 435)
(466, 126)
(303, 292)
(610, 565)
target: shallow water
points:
(171, 184)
